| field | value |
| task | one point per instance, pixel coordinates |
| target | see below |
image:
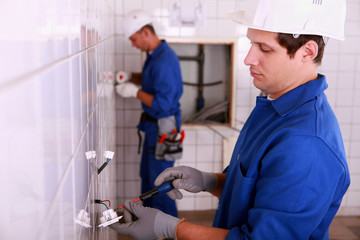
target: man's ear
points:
(310, 51)
(146, 32)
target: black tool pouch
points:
(169, 142)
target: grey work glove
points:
(190, 179)
(150, 224)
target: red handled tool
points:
(182, 136)
(163, 188)
(162, 139)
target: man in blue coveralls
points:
(161, 89)
(288, 172)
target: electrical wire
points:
(107, 201)
(104, 165)
(105, 205)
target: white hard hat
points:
(316, 17)
(134, 21)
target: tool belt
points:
(146, 117)
(170, 138)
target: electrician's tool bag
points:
(170, 138)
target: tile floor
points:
(342, 228)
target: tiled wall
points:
(203, 147)
(56, 104)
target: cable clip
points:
(90, 155)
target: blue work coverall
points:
(288, 172)
(161, 77)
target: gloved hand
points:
(150, 224)
(190, 179)
(127, 90)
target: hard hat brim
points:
(242, 18)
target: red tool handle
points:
(162, 138)
(135, 200)
(182, 136)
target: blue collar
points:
(298, 96)
(158, 49)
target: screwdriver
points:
(163, 188)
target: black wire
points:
(102, 167)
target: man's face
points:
(271, 67)
(138, 40)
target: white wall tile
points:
(119, 7)
(224, 7)
(211, 8)
(330, 62)
(347, 145)
(244, 80)
(355, 178)
(205, 166)
(204, 153)
(120, 136)
(120, 154)
(344, 98)
(355, 149)
(186, 204)
(346, 80)
(132, 172)
(355, 132)
(131, 136)
(119, 63)
(242, 113)
(349, 45)
(356, 115)
(346, 131)
(353, 9)
(332, 46)
(208, 30)
(352, 29)
(243, 97)
(118, 26)
(131, 154)
(131, 118)
(132, 103)
(225, 28)
(187, 31)
(132, 189)
(153, 7)
(353, 199)
(205, 137)
(165, 29)
(131, 5)
(190, 137)
(203, 203)
(354, 166)
(189, 154)
(132, 63)
(347, 62)
(331, 96)
(344, 115)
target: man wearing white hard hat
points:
(288, 172)
(160, 92)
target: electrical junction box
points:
(109, 217)
(83, 219)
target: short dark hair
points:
(150, 27)
(293, 44)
